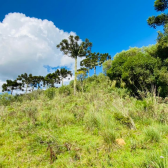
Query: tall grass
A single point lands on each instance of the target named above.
(54, 128)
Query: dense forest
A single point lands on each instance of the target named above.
(118, 118)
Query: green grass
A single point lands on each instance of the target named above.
(53, 129)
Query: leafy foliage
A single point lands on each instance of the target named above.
(50, 93)
(160, 5)
(63, 73)
(11, 85)
(6, 99)
(65, 90)
(73, 49)
(140, 70)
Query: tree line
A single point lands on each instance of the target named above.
(140, 70)
(25, 82)
(71, 47)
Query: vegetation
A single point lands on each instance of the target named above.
(160, 5)
(25, 81)
(116, 119)
(75, 50)
(102, 127)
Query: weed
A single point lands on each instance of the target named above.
(53, 156)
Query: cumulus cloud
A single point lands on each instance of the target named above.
(28, 45)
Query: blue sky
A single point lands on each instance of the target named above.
(112, 26)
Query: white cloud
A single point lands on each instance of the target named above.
(27, 44)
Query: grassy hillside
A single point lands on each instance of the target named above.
(102, 127)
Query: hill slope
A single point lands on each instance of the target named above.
(54, 128)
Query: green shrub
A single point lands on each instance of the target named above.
(78, 87)
(50, 93)
(6, 99)
(18, 98)
(123, 120)
(36, 93)
(65, 89)
(152, 134)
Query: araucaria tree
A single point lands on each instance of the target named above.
(50, 79)
(162, 19)
(11, 85)
(36, 80)
(26, 80)
(63, 73)
(103, 58)
(73, 49)
(94, 58)
(86, 63)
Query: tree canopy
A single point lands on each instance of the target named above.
(140, 69)
(74, 49)
(154, 21)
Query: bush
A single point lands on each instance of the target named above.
(123, 120)
(6, 99)
(65, 89)
(78, 87)
(50, 93)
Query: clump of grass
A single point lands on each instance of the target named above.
(109, 136)
(92, 120)
(157, 160)
(125, 120)
(31, 112)
(152, 134)
(64, 118)
(50, 93)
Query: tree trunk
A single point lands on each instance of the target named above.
(75, 75)
(62, 81)
(26, 87)
(95, 70)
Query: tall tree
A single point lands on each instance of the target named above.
(73, 49)
(50, 79)
(81, 75)
(36, 80)
(162, 19)
(63, 73)
(87, 63)
(26, 80)
(11, 85)
(94, 58)
(103, 58)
